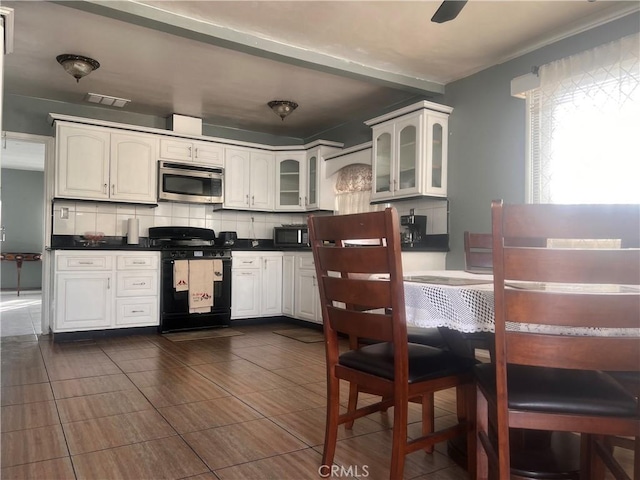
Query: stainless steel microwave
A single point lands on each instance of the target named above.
(190, 183)
(291, 236)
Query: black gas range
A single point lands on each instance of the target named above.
(192, 244)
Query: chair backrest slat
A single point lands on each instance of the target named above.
(377, 326)
(533, 307)
(590, 353)
(364, 259)
(571, 265)
(363, 293)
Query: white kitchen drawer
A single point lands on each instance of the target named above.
(80, 261)
(136, 262)
(131, 312)
(245, 262)
(136, 284)
(306, 262)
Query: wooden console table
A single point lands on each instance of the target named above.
(19, 258)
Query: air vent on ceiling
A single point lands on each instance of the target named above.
(106, 100)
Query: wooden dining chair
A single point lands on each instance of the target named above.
(548, 375)
(362, 296)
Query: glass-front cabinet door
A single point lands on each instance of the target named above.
(382, 171)
(436, 156)
(408, 156)
(290, 181)
(311, 199)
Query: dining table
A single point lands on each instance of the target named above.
(461, 302)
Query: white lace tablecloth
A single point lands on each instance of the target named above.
(469, 308)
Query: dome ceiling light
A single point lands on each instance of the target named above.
(76, 65)
(282, 108)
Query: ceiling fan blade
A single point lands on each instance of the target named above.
(448, 10)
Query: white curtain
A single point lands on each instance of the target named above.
(584, 120)
(353, 189)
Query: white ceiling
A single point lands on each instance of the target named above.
(224, 60)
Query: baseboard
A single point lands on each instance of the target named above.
(98, 334)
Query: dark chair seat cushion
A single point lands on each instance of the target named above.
(629, 380)
(557, 390)
(426, 336)
(425, 363)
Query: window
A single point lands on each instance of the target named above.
(584, 123)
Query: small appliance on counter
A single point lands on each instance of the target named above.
(292, 235)
(415, 228)
(226, 239)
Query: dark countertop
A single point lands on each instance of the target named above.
(430, 243)
(75, 242)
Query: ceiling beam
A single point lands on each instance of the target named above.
(153, 17)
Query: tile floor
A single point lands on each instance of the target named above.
(249, 406)
(20, 315)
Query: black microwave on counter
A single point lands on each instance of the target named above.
(291, 236)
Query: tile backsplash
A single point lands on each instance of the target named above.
(76, 218)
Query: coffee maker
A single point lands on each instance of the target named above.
(415, 228)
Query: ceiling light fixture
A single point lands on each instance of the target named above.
(282, 108)
(76, 65)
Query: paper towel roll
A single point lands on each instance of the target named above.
(133, 231)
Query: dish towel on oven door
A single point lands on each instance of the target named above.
(181, 275)
(200, 286)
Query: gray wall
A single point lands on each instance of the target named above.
(487, 148)
(22, 216)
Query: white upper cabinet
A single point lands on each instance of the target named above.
(82, 163)
(410, 152)
(95, 163)
(249, 179)
(133, 167)
(320, 193)
(291, 181)
(205, 153)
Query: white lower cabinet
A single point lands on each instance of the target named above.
(306, 293)
(288, 275)
(256, 285)
(95, 290)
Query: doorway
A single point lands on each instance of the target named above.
(23, 210)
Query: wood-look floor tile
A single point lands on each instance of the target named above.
(18, 394)
(309, 426)
(151, 351)
(154, 363)
(115, 431)
(228, 368)
(56, 469)
(81, 370)
(290, 466)
(244, 382)
(23, 375)
(272, 357)
(190, 417)
(166, 458)
(198, 357)
(182, 392)
(282, 400)
(101, 405)
(203, 476)
(454, 472)
(28, 415)
(242, 442)
(124, 343)
(374, 450)
(79, 387)
(164, 376)
(303, 375)
(32, 445)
